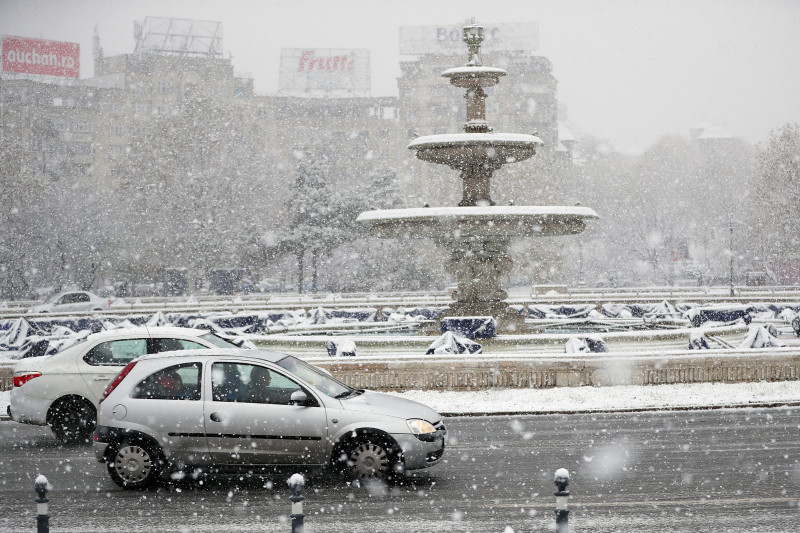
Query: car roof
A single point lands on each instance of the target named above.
(239, 353)
(138, 331)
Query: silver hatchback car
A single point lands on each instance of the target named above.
(171, 414)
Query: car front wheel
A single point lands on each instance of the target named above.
(73, 420)
(371, 458)
(134, 465)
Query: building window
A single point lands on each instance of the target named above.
(52, 146)
(164, 87)
(142, 108)
(61, 124)
(118, 129)
(12, 95)
(163, 109)
(115, 151)
(82, 148)
(82, 126)
(81, 170)
(116, 108)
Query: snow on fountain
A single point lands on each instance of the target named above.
(477, 233)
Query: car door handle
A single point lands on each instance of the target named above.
(103, 379)
(216, 417)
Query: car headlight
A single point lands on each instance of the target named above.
(420, 427)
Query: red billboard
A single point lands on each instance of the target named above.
(318, 71)
(37, 56)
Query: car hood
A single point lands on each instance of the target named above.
(386, 404)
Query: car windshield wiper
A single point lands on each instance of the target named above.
(348, 394)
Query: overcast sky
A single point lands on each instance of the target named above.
(628, 71)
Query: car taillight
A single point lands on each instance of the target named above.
(19, 381)
(116, 381)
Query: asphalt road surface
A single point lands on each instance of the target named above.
(723, 470)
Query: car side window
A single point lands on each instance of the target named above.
(119, 352)
(168, 345)
(178, 382)
(80, 297)
(227, 384)
(255, 384)
(64, 300)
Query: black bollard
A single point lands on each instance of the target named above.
(41, 486)
(562, 499)
(296, 484)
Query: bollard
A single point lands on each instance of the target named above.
(41, 486)
(296, 484)
(562, 499)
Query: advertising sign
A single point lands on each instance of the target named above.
(310, 71)
(37, 56)
(448, 39)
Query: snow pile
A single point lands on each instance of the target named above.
(591, 343)
(761, 337)
(340, 347)
(698, 341)
(582, 399)
(449, 344)
(628, 397)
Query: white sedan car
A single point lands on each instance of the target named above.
(63, 390)
(72, 301)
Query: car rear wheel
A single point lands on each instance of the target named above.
(134, 464)
(73, 420)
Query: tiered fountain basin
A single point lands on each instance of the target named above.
(464, 223)
(470, 76)
(461, 150)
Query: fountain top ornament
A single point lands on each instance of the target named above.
(478, 232)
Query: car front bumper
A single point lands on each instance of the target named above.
(418, 453)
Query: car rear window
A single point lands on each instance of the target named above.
(117, 352)
(218, 341)
(178, 382)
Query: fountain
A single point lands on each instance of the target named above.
(477, 233)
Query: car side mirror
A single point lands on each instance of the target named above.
(298, 397)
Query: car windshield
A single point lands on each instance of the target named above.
(52, 298)
(318, 378)
(218, 341)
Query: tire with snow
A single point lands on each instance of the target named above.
(72, 420)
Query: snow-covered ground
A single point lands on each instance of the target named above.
(581, 399)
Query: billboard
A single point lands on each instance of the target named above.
(37, 56)
(324, 71)
(447, 39)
